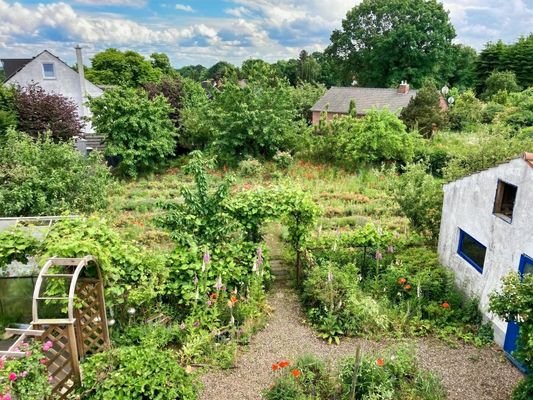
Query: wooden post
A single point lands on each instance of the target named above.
(75, 362)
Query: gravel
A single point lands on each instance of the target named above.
(466, 372)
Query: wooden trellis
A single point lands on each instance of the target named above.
(84, 329)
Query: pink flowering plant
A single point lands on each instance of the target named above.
(26, 377)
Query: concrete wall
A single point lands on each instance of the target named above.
(468, 205)
(66, 83)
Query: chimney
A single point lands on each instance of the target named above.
(81, 74)
(403, 88)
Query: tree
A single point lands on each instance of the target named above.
(138, 131)
(304, 96)
(114, 67)
(466, 111)
(255, 120)
(424, 112)
(222, 70)
(462, 67)
(500, 81)
(161, 62)
(172, 89)
(288, 69)
(195, 72)
(39, 111)
(308, 67)
(385, 41)
(329, 72)
(248, 66)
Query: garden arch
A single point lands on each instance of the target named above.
(82, 331)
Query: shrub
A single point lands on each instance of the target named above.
(465, 112)
(283, 159)
(250, 167)
(8, 116)
(39, 112)
(45, 178)
(136, 372)
(420, 198)
(138, 131)
(500, 81)
(31, 376)
(490, 111)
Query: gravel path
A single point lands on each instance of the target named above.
(466, 372)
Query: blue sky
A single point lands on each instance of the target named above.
(206, 31)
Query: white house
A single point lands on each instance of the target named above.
(53, 75)
(486, 233)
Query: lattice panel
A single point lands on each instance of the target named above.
(89, 323)
(60, 361)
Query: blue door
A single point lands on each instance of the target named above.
(513, 330)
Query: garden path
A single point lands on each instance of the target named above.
(466, 371)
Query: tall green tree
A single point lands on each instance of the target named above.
(424, 112)
(385, 41)
(195, 72)
(308, 67)
(500, 81)
(288, 69)
(222, 70)
(461, 67)
(138, 131)
(128, 68)
(161, 62)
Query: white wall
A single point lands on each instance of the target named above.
(67, 82)
(468, 204)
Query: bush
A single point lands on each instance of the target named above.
(490, 111)
(45, 178)
(8, 116)
(39, 112)
(283, 159)
(136, 372)
(138, 131)
(250, 167)
(420, 198)
(465, 112)
(500, 81)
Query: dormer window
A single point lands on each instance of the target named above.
(49, 71)
(505, 199)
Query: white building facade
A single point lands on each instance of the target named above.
(53, 75)
(486, 233)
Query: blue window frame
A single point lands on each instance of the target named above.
(49, 71)
(471, 250)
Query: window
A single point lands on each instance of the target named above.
(49, 71)
(505, 199)
(526, 265)
(471, 250)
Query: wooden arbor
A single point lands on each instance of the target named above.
(83, 330)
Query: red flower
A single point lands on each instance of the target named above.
(407, 287)
(402, 281)
(296, 373)
(445, 305)
(233, 299)
(12, 376)
(275, 367)
(283, 364)
(380, 362)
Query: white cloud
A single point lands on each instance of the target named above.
(129, 3)
(183, 7)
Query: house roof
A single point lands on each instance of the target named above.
(337, 99)
(13, 65)
(528, 157)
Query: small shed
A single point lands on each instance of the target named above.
(486, 233)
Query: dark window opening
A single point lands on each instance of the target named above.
(471, 250)
(505, 199)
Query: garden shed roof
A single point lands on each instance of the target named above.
(337, 99)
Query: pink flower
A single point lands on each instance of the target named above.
(28, 353)
(379, 256)
(50, 378)
(12, 376)
(43, 361)
(6, 396)
(47, 346)
(24, 374)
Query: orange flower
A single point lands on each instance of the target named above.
(445, 305)
(233, 299)
(296, 373)
(407, 287)
(283, 364)
(380, 362)
(214, 296)
(402, 281)
(275, 367)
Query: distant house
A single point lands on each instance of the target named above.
(337, 100)
(53, 75)
(486, 233)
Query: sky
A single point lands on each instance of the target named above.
(207, 31)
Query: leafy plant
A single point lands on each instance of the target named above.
(16, 245)
(136, 372)
(250, 167)
(283, 159)
(40, 177)
(139, 132)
